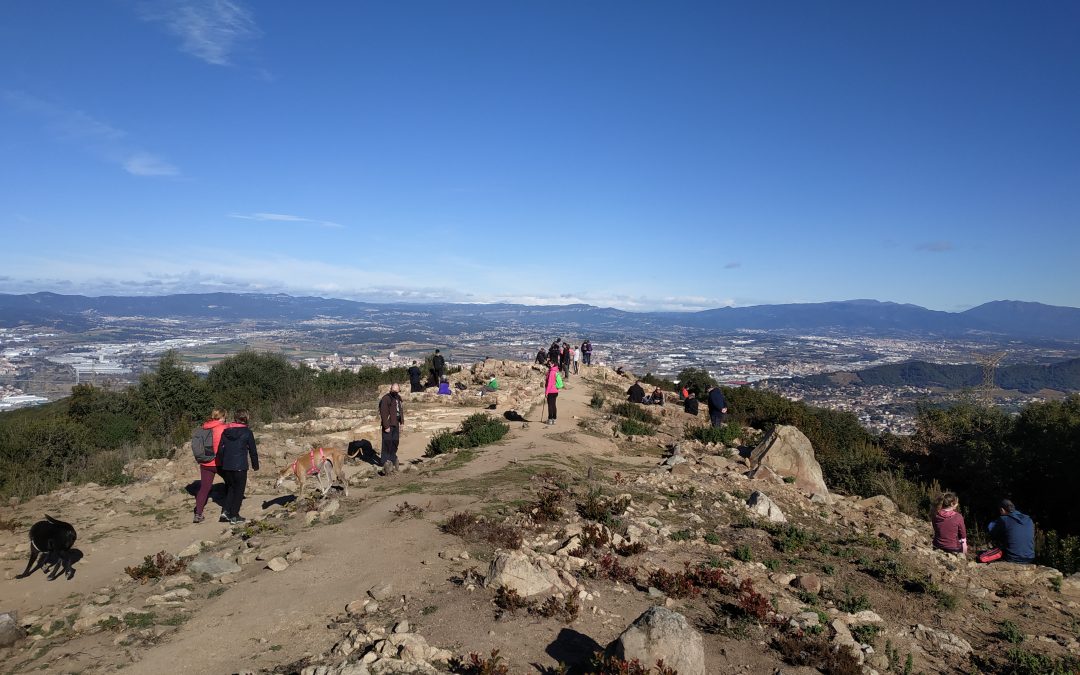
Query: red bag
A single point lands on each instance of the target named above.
(989, 555)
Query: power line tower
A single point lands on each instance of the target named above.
(989, 361)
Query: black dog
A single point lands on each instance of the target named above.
(50, 542)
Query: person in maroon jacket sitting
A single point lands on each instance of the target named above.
(950, 534)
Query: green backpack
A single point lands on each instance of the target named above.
(558, 380)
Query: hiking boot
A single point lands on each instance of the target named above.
(223, 519)
(236, 520)
(198, 518)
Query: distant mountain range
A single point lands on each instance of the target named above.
(1028, 378)
(1000, 318)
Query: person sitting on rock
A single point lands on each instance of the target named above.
(636, 393)
(950, 534)
(444, 387)
(690, 405)
(1014, 533)
(542, 357)
(656, 397)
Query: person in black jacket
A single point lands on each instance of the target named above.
(414, 378)
(236, 446)
(438, 364)
(636, 393)
(690, 405)
(717, 407)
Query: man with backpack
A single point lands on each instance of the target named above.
(204, 444)
(552, 384)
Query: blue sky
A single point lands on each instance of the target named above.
(641, 155)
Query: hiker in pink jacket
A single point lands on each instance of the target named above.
(551, 390)
(950, 534)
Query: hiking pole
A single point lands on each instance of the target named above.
(543, 407)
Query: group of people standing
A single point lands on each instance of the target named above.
(233, 446)
(565, 356)
(561, 358)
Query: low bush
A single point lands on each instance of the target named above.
(633, 411)
(816, 652)
(636, 428)
(475, 431)
(605, 664)
(725, 434)
(474, 664)
(601, 509)
(609, 567)
(1024, 662)
(472, 527)
(161, 564)
(597, 401)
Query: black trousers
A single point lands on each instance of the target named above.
(551, 405)
(390, 442)
(416, 386)
(235, 482)
(716, 418)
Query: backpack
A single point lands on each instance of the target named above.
(202, 445)
(558, 381)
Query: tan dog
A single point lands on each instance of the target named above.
(326, 463)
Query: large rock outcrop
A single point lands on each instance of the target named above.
(789, 453)
(517, 572)
(661, 634)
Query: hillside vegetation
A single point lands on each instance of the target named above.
(90, 435)
(1027, 378)
(980, 453)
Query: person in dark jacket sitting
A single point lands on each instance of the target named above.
(636, 393)
(1014, 534)
(690, 405)
(236, 446)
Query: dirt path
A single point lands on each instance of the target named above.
(289, 610)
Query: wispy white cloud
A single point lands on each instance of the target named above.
(94, 136)
(732, 265)
(286, 218)
(369, 280)
(940, 246)
(209, 30)
(145, 164)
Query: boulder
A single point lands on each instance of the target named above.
(277, 565)
(213, 566)
(763, 472)
(810, 583)
(789, 453)
(760, 504)
(517, 572)
(10, 630)
(941, 641)
(879, 502)
(383, 591)
(661, 634)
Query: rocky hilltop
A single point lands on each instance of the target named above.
(564, 548)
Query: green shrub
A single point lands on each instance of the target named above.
(1010, 632)
(743, 553)
(636, 428)
(475, 431)
(597, 401)
(725, 434)
(697, 380)
(1023, 662)
(633, 411)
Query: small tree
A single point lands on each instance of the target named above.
(697, 380)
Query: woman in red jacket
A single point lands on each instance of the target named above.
(207, 470)
(950, 534)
